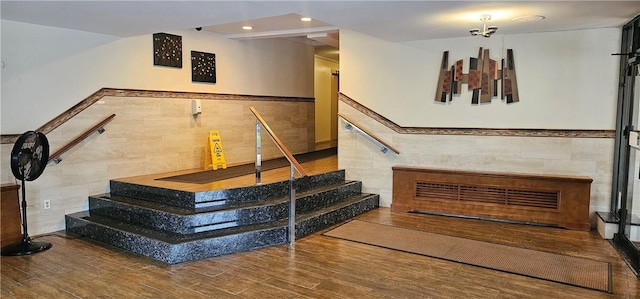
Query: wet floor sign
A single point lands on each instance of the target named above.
(214, 156)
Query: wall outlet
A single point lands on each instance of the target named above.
(46, 204)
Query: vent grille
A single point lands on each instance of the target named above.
(436, 191)
(490, 195)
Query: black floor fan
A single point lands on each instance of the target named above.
(29, 157)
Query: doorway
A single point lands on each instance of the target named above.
(625, 204)
(326, 87)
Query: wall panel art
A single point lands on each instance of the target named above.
(167, 50)
(482, 79)
(203, 67)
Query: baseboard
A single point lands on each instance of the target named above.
(320, 145)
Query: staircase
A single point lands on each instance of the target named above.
(175, 226)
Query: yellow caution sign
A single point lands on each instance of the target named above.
(214, 155)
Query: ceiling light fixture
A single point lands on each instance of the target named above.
(247, 27)
(305, 19)
(486, 31)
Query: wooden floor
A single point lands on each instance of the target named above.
(316, 267)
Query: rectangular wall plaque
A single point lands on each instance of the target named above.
(203, 67)
(167, 50)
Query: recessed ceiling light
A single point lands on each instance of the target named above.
(305, 19)
(532, 18)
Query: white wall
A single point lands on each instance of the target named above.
(567, 80)
(48, 70)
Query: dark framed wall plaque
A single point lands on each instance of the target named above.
(167, 50)
(203, 67)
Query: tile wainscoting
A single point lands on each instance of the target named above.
(153, 132)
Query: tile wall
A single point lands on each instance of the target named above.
(152, 135)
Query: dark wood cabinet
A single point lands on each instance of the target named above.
(530, 198)
(10, 222)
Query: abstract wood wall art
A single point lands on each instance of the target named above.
(167, 50)
(482, 79)
(203, 67)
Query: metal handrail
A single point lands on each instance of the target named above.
(55, 157)
(351, 125)
(295, 166)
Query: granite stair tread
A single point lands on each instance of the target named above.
(174, 238)
(344, 203)
(181, 210)
(190, 211)
(215, 198)
(284, 196)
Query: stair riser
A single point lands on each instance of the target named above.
(177, 253)
(210, 199)
(315, 181)
(319, 200)
(154, 249)
(312, 225)
(189, 224)
(154, 194)
(186, 224)
(230, 244)
(261, 192)
(138, 215)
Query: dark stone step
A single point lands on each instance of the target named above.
(184, 221)
(175, 248)
(262, 192)
(188, 221)
(309, 223)
(208, 199)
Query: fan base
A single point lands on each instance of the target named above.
(26, 248)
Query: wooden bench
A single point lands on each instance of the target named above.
(531, 198)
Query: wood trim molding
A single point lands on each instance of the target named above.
(138, 93)
(475, 131)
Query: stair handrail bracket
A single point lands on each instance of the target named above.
(353, 126)
(56, 157)
(295, 167)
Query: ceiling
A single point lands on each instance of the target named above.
(395, 21)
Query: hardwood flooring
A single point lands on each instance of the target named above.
(316, 267)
